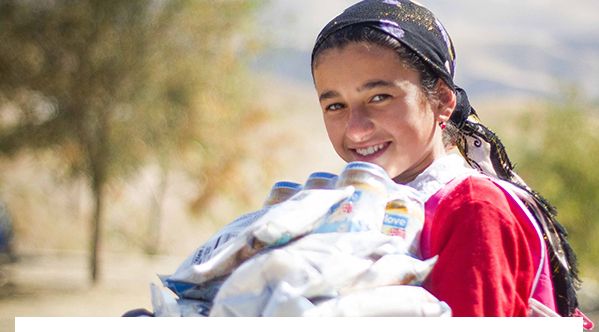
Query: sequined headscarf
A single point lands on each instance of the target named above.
(416, 28)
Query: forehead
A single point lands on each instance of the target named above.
(357, 63)
(357, 49)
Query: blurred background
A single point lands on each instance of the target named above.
(131, 131)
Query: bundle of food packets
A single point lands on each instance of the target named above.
(336, 246)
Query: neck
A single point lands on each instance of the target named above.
(410, 174)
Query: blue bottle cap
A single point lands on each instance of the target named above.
(367, 166)
(321, 180)
(287, 184)
(322, 175)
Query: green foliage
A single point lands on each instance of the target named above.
(556, 150)
(110, 82)
(111, 85)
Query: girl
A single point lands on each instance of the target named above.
(383, 71)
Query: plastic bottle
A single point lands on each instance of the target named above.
(280, 192)
(321, 180)
(365, 209)
(404, 217)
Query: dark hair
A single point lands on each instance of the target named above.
(361, 33)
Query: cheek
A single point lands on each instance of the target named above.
(336, 133)
(414, 125)
(408, 134)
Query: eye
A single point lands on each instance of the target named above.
(380, 97)
(334, 107)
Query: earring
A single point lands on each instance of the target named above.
(442, 125)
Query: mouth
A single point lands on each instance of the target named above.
(370, 152)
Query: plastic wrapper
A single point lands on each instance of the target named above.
(194, 308)
(276, 226)
(207, 250)
(306, 254)
(394, 269)
(296, 217)
(205, 291)
(282, 281)
(164, 303)
(397, 301)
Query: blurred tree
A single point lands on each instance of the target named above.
(556, 149)
(114, 84)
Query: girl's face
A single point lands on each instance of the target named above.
(375, 111)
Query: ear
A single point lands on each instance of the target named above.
(446, 101)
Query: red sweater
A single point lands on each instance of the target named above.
(485, 266)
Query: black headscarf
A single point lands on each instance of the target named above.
(417, 28)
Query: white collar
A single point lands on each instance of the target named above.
(438, 174)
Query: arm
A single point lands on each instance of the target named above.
(485, 267)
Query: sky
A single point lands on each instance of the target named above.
(540, 21)
(503, 46)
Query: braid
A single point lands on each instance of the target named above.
(473, 136)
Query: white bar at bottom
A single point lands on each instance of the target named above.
(369, 324)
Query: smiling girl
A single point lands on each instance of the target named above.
(383, 71)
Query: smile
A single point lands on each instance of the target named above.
(370, 150)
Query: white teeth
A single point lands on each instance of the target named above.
(370, 150)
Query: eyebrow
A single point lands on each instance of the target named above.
(367, 86)
(328, 95)
(374, 84)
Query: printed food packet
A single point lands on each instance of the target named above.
(280, 192)
(278, 225)
(398, 301)
(204, 292)
(207, 250)
(298, 216)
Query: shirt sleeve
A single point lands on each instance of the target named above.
(485, 266)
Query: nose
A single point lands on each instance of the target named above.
(360, 126)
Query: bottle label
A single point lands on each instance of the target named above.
(395, 225)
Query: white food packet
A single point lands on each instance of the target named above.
(194, 308)
(278, 225)
(393, 269)
(282, 280)
(397, 301)
(206, 251)
(164, 303)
